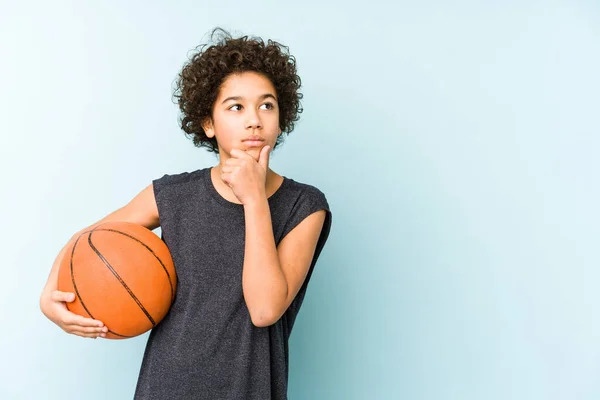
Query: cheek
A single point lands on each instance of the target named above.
(273, 121)
(225, 128)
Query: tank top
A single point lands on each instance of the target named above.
(207, 347)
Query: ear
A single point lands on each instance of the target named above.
(207, 125)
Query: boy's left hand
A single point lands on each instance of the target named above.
(246, 176)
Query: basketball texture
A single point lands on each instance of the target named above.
(122, 274)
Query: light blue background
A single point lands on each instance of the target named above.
(457, 143)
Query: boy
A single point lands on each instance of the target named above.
(244, 239)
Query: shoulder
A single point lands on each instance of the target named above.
(301, 199)
(307, 193)
(178, 178)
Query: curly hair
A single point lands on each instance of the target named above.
(200, 80)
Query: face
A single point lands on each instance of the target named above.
(245, 107)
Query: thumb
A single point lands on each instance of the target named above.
(57, 295)
(263, 158)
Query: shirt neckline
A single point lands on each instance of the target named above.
(208, 183)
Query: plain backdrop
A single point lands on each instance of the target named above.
(456, 141)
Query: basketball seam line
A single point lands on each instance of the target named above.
(77, 291)
(98, 228)
(133, 296)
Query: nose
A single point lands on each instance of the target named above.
(253, 120)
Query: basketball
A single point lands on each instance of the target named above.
(122, 274)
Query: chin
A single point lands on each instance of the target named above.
(254, 152)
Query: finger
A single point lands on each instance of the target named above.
(76, 329)
(74, 319)
(228, 168)
(86, 335)
(226, 178)
(240, 154)
(57, 295)
(263, 158)
(231, 161)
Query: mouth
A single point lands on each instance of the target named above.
(254, 142)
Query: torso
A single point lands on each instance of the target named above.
(206, 347)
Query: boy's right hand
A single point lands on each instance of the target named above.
(54, 307)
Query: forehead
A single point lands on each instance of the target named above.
(246, 84)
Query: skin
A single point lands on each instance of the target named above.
(272, 275)
(246, 105)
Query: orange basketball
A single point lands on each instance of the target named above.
(122, 274)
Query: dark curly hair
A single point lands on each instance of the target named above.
(200, 79)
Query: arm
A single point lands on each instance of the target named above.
(272, 276)
(141, 210)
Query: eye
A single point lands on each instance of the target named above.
(235, 105)
(269, 105)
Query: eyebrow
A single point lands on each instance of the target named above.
(236, 98)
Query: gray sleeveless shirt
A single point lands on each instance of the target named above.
(206, 347)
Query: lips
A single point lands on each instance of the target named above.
(254, 139)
